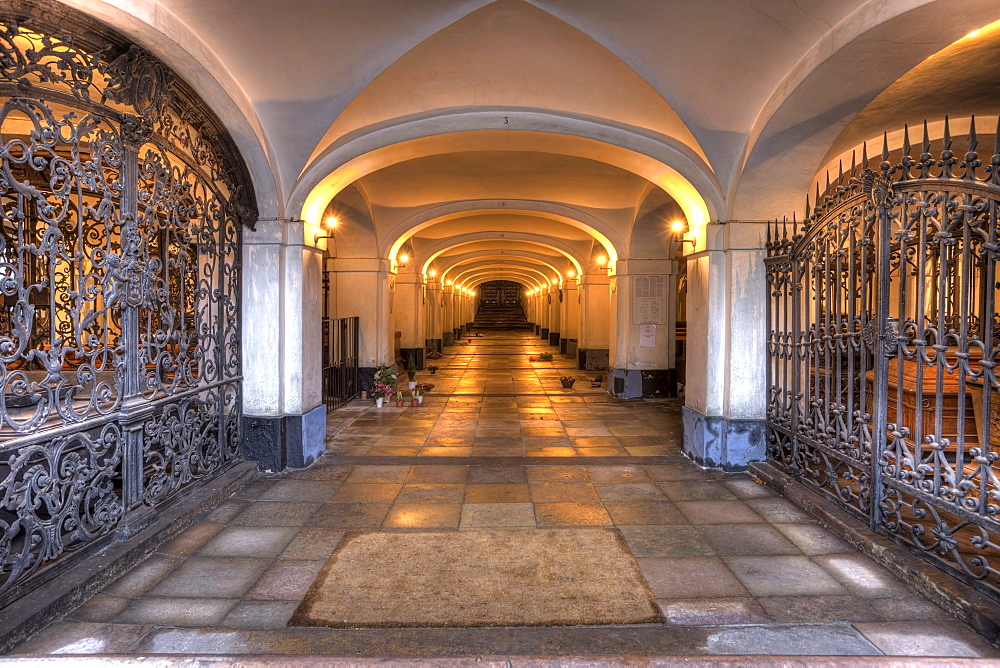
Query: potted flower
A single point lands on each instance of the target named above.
(432, 368)
(424, 387)
(411, 372)
(545, 357)
(567, 381)
(434, 355)
(383, 385)
(399, 399)
(595, 381)
(416, 397)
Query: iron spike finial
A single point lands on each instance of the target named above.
(854, 161)
(795, 224)
(885, 146)
(784, 228)
(807, 206)
(906, 140)
(864, 155)
(926, 144)
(947, 133)
(827, 182)
(973, 139)
(840, 172)
(996, 139)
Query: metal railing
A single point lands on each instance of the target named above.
(340, 361)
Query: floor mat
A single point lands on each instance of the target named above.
(554, 577)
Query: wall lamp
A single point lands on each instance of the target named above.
(402, 259)
(679, 227)
(329, 225)
(602, 262)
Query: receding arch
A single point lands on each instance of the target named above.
(659, 160)
(557, 245)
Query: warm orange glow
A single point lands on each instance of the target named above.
(974, 33)
(432, 273)
(404, 258)
(602, 260)
(448, 282)
(331, 222)
(677, 226)
(571, 273)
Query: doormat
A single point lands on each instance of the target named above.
(554, 577)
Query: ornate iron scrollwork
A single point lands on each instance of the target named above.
(121, 208)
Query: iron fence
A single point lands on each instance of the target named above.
(883, 340)
(340, 361)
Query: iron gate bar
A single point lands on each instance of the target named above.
(882, 322)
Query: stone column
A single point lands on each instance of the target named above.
(726, 392)
(448, 318)
(555, 308)
(595, 317)
(570, 328)
(284, 418)
(409, 316)
(433, 308)
(644, 304)
(363, 291)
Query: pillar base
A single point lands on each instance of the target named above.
(538, 329)
(568, 346)
(418, 357)
(544, 333)
(276, 443)
(717, 442)
(553, 338)
(448, 339)
(434, 345)
(645, 383)
(592, 359)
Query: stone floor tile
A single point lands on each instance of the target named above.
(188, 541)
(300, 490)
(784, 576)
(253, 490)
(747, 539)
(861, 575)
(571, 514)
(745, 487)
(556, 492)
(712, 611)
(376, 474)
(779, 510)
(277, 513)
(906, 608)
(813, 539)
(100, 608)
(243, 541)
(801, 639)
(431, 493)
(497, 493)
(670, 541)
(349, 515)
(385, 451)
(644, 512)
(423, 516)
(935, 638)
(601, 452)
(621, 473)
(497, 475)
(696, 490)
(667, 472)
(225, 512)
(260, 614)
(438, 475)
(557, 474)
(698, 578)
(311, 544)
(202, 577)
(638, 491)
(83, 638)
(445, 452)
(811, 609)
(177, 611)
(497, 515)
(144, 576)
(717, 512)
(366, 492)
(285, 580)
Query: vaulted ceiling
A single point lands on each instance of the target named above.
(586, 122)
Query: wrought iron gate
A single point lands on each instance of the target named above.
(883, 342)
(121, 203)
(340, 361)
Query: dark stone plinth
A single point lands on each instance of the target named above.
(434, 345)
(553, 338)
(717, 442)
(448, 339)
(418, 357)
(544, 333)
(263, 439)
(592, 359)
(644, 383)
(276, 443)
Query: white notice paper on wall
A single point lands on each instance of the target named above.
(649, 300)
(647, 336)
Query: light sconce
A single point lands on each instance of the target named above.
(448, 282)
(432, 273)
(602, 262)
(402, 259)
(329, 225)
(571, 273)
(679, 228)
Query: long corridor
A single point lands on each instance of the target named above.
(501, 464)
